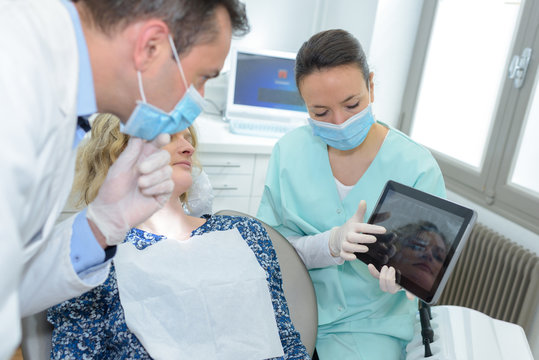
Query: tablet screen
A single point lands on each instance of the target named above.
(424, 237)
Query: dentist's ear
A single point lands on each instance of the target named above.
(371, 84)
(151, 43)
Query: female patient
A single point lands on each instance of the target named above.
(180, 286)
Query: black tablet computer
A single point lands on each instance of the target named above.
(424, 238)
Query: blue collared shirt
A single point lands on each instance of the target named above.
(85, 250)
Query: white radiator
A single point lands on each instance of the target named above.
(496, 277)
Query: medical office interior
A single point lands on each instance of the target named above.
(460, 77)
(450, 74)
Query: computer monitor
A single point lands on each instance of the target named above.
(262, 89)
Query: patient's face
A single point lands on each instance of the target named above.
(181, 151)
(421, 257)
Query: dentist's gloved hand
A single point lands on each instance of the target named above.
(349, 238)
(388, 284)
(137, 185)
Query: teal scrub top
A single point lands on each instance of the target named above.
(356, 319)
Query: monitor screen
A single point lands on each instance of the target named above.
(262, 85)
(266, 81)
(262, 97)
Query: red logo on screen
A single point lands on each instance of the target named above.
(283, 74)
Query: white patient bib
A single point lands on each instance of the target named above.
(202, 298)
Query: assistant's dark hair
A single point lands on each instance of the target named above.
(190, 21)
(329, 49)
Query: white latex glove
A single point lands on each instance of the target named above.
(387, 280)
(348, 238)
(137, 185)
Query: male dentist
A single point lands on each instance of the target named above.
(144, 61)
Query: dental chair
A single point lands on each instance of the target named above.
(36, 337)
(297, 286)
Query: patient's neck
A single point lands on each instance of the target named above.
(172, 221)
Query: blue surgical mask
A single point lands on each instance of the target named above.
(148, 121)
(348, 135)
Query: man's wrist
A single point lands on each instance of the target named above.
(98, 234)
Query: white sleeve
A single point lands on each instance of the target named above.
(36, 78)
(314, 250)
(49, 277)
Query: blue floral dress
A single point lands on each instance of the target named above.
(92, 326)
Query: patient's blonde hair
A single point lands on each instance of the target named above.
(96, 155)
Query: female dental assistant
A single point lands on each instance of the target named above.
(316, 179)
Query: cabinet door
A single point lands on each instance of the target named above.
(230, 184)
(231, 177)
(225, 163)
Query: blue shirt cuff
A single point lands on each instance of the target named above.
(85, 250)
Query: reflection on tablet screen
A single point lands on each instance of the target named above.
(423, 240)
(422, 252)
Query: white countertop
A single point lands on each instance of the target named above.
(214, 136)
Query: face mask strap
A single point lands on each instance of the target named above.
(140, 88)
(177, 60)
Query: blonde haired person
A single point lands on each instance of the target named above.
(97, 153)
(180, 286)
(92, 168)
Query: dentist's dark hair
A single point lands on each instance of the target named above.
(191, 22)
(329, 49)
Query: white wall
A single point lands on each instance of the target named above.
(515, 232)
(286, 24)
(393, 38)
(356, 17)
(278, 24)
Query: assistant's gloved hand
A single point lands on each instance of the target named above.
(347, 239)
(137, 185)
(386, 275)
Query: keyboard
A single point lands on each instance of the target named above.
(262, 128)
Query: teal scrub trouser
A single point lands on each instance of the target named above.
(359, 346)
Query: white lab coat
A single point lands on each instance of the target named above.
(38, 89)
